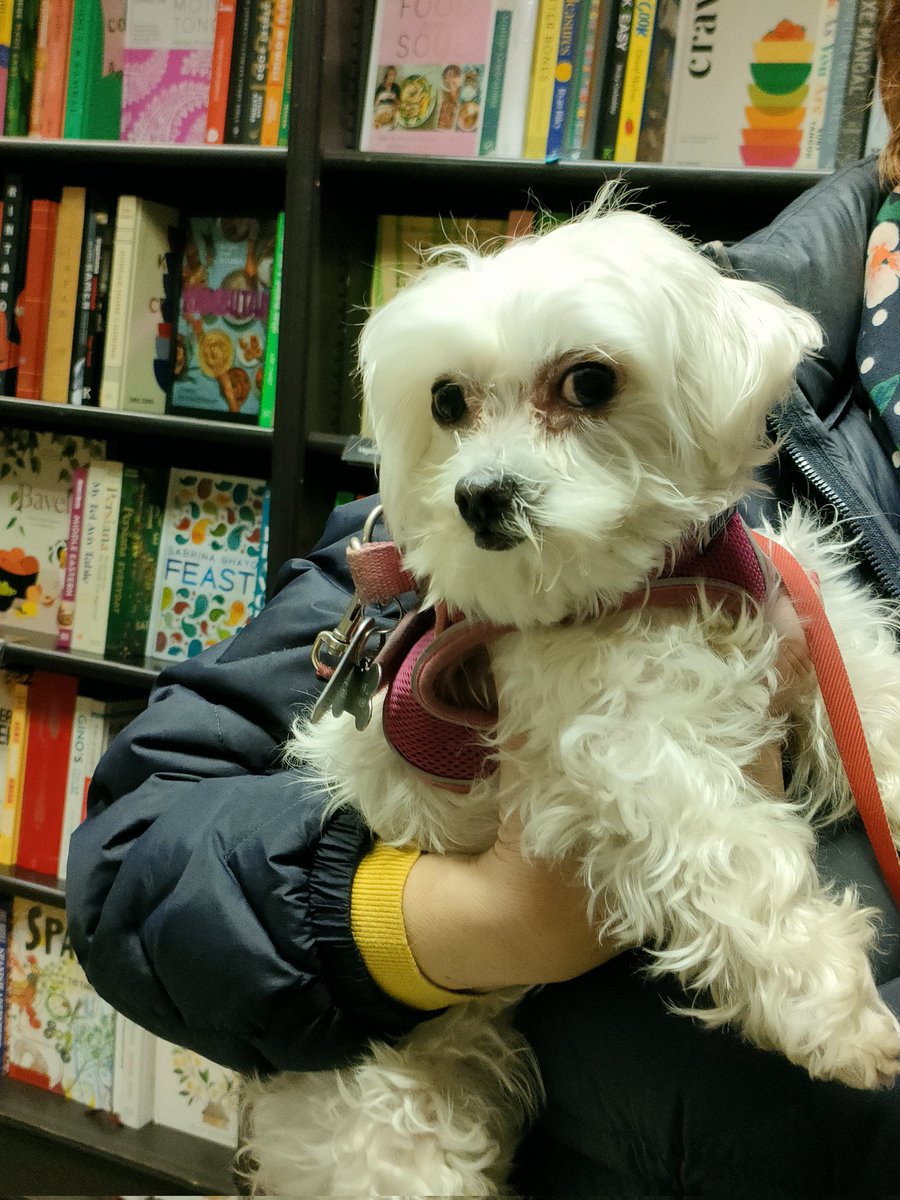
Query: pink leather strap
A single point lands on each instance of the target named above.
(377, 572)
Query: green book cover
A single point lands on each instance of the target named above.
(270, 361)
(94, 91)
(20, 85)
(134, 571)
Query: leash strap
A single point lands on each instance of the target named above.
(841, 708)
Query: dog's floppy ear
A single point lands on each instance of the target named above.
(749, 342)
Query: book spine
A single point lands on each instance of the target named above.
(119, 609)
(69, 594)
(83, 305)
(119, 309)
(493, 96)
(837, 83)
(6, 17)
(860, 81)
(73, 805)
(134, 1066)
(5, 933)
(585, 51)
(13, 238)
(64, 295)
(51, 707)
(56, 70)
(39, 68)
(103, 498)
(562, 79)
(635, 80)
(132, 589)
(217, 107)
(284, 121)
(543, 66)
(257, 72)
(237, 76)
(603, 53)
(34, 301)
(11, 811)
(84, 18)
(100, 280)
(612, 101)
(21, 67)
(517, 79)
(270, 361)
(271, 116)
(817, 98)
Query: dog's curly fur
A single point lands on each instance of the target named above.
(638, 724)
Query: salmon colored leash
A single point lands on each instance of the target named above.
(840, 706)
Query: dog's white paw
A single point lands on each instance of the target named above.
(867, 1055)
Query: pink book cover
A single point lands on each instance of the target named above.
(428, 77)
(167, 63)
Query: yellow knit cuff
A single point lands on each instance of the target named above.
(376, 920)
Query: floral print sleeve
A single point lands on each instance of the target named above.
(878, 346)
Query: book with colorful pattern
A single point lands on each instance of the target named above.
(60, 1034)
(210, 574)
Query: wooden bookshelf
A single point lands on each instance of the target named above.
(52, 1145)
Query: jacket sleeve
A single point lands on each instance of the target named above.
(206, 899)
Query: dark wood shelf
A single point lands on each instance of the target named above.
(95, 422)
(14, 881)
(60, 151)
(42, 654)
(184, 1163)
(569, 174)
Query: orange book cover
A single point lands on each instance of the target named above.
(220, 72)
(56, 69)
(40, 68)
(33, 305)
(271, 118)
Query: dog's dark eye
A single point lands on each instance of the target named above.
(448, 402)
(588, 385)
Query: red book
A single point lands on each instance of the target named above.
(51, 710)
(56, 69)
(33, 305)
(220, 71)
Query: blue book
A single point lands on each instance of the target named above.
(563, 87)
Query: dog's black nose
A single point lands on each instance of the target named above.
(491, 504)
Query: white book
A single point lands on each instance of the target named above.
(516, 81)
(96, 556)
(878, 129)
(80, 753)
(134, 1073)
(750, 83)
(195, 1095)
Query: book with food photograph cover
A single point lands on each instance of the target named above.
(218, 352)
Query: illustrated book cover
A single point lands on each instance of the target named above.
(427, 78)
(210, 574)
(750, 91)
(36, 471)
(223, 314)
(166, 73)
(60, 1034)
(194, 1094)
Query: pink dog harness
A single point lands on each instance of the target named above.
(450, 745)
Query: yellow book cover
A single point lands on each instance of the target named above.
(64, 295)
(14, 725)
(271, 116)
(403, 241)
(635, 81)
(543, 71)
(6, 20)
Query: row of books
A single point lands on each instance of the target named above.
(211, 71)
(776, 84)
(124, 561)
(51, 739)
(57, 1034)
(126, 303)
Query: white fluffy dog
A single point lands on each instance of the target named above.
(556, 420)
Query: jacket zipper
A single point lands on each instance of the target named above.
(872, 556)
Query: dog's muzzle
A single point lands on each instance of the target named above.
(493, 504)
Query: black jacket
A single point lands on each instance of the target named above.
(207, 902)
